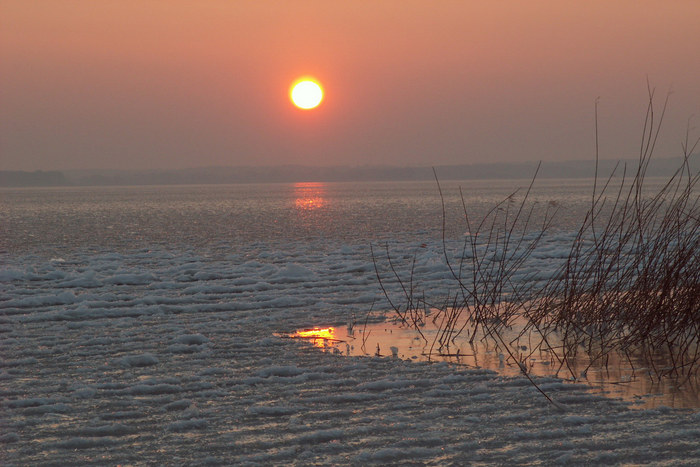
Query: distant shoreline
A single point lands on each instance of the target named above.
(297, 173)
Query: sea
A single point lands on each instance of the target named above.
(144, 325)
(54, 221)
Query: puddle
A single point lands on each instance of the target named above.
(618, 379)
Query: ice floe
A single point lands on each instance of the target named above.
(167, 356)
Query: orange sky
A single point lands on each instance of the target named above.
(173, 84)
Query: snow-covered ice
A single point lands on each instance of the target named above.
(167, 356)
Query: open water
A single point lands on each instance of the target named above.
(55, 220)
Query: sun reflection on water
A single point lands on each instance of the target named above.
(309, 196)
(321, 338)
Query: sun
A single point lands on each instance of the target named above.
(306, 93)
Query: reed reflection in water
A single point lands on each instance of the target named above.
(392, 339)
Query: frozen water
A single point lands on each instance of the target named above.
(151, 343)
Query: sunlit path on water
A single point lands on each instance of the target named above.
(309, 196)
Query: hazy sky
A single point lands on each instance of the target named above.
(180, 83)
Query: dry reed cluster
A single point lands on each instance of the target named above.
(630, 285)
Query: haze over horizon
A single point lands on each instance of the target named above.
(172, 85)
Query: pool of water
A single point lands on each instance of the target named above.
(634, 380)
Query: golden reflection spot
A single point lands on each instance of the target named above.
(318, 337)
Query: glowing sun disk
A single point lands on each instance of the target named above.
(306, 94)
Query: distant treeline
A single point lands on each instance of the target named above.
(294, 173)
(37, 178)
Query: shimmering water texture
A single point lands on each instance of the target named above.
(56, 220)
